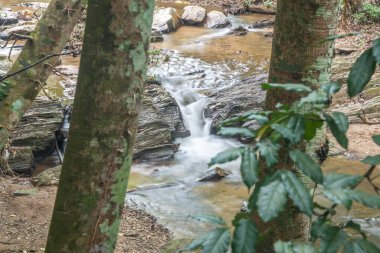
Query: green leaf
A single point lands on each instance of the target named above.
(287, 86)
(297, 125)
(307, 165)
(341, 121)
(217, 241)
(376, 50)
(361, 72)
(271, 200)
(269, 151)
(285, 132)
(288, 247)
(258, 117)
(208, 219)
(376, 139)
(249, 167)
(332, 239)
(361, 245)
(313, 122)
(331, 88)
(372, 160)
(226, 156)
(366, 199)
(245, 237)
(297, 192)
(335, 180)
(339, 135)
(316, 97)
(236, 131)
(317, 228)
(339, 196)
(196, 243)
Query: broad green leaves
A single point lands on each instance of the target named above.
(269, 151)
(372, 160)
(249, 168)
(271, 200)
(361, 72)
(297, 192)
(226, 156)
(245, 237)
(334, 180)
(338, 123)
(288, 247)
(307, 165)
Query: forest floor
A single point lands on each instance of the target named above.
(25, 220)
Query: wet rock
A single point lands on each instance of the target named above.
(268, 35)
(156, 36)
(238, 31)
(21, 160)
(236, 9)
(214, 175)
(160, 123)
(20, 30)
(166, 20)
(262, 23)
(216, 19)
(344, 51)
(8, 18)
(25, 192)
(244, 96)
(37, 126)
(193, 15)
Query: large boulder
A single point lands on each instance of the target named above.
(8, 18)
(193, 15)
(216, 19)
(160, 123)
(166, 20)
(244, 96)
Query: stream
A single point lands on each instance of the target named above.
(203, 60)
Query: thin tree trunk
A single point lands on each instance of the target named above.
(49, 37)
(94, 178)
(300, 54)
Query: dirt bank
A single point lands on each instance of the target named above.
(24, 222)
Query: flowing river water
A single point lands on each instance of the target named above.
(169, 190)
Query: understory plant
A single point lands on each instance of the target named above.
(368, 13)
(286, 131)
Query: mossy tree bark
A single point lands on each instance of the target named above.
(49, 37)
(98, 157)
(300, 54)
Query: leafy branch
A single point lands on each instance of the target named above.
(287, 130)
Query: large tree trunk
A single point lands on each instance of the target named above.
(98, 157)
(49, 37)
(300, 54)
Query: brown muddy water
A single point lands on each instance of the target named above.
(169, 190)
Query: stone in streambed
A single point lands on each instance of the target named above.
(214, 175)
(8, 18)
(193, 15)
(166, 20)
(21, 30)
(262, 23)
(216, 19)
(238, 31)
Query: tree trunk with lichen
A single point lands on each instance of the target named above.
(94, 177)
(49, 37)
(300, 54)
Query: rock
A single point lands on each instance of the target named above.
(34, 5)
(193, 15)
(156, 36)
(261, 10)
(268, 34)
(244, 96)
(37, 126)
(216, 19)
(213, 175)
(160, 123)
(235, 9)
(8, 18)
(262, 23)
(25, 192)
(48, 177)
(5, 64)
(344, 51)
(21, 160)
(21, 30)
(238, 31)
(166, 20)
